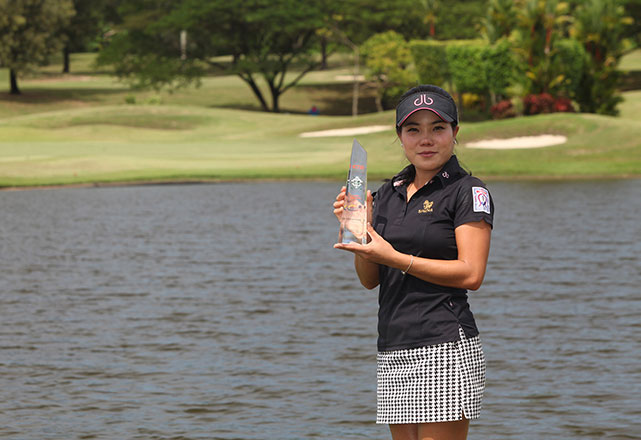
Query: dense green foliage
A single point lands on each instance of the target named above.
(467, 66)
(430, 60)
(600, 25)
(457, 20)
(565, 49)
(540, 24)
(360, 19)
(265, 37)
(390, 66)
(83, 28)
(30, 33)
(471, 66)
(499, 20)
(569, 61)
(501, 69)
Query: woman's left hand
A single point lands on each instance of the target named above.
(378, 250)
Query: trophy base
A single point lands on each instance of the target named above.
(346, 236)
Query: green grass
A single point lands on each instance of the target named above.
(78, 129)
(631, 61)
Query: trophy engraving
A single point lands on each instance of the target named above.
(354, 220)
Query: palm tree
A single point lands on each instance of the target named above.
(499, 21)
(430, 18)
(539, 24)
(600, 26)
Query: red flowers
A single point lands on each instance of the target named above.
(546, 103)
(532, 105)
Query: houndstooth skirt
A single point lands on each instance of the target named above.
(437, 383)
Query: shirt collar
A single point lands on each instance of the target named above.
(449, 173)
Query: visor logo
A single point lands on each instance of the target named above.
(423, 99)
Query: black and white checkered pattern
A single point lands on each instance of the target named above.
(437, 383)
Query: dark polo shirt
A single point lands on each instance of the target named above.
(413, 312)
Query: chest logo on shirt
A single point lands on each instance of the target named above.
(481, 199)
(427, 207)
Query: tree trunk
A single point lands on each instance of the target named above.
(65, 59)
(13, 78)
(379, 100)
(275, 91)
(252, 84)
(323, 65)
(355, 91)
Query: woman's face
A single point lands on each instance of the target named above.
(428, 141)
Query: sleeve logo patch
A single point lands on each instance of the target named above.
(481, 199)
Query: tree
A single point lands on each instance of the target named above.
(30, 33)
(350, 22)
(82, 29)
(540, 23)
(360, 19)
(389, 61)
(499, 21)
(144, 50)
(266, 38)
(459, 19)
(430, 18)
(633, 31)
(600, 26)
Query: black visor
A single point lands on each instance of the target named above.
(443, 107)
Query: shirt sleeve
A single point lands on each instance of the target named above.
(473, 204)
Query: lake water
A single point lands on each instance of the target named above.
(223, 312)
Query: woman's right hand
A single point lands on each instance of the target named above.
(340, 203)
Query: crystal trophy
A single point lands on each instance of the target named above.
(354, 220)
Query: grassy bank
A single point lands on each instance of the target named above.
(78, 129)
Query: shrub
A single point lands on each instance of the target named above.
(562, 104)
(600, 26)
(467, 66)
(546, 103)
(389, 66)
(570, 61)
(536, 104)
(430, 60)
(503, 109)
(472, 100)
(500, 67)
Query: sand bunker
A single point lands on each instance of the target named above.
(347, 131)
(545, 140)
(349, 78)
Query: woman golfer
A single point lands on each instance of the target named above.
(428, 243)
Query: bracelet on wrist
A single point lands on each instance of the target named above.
(410, 265)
